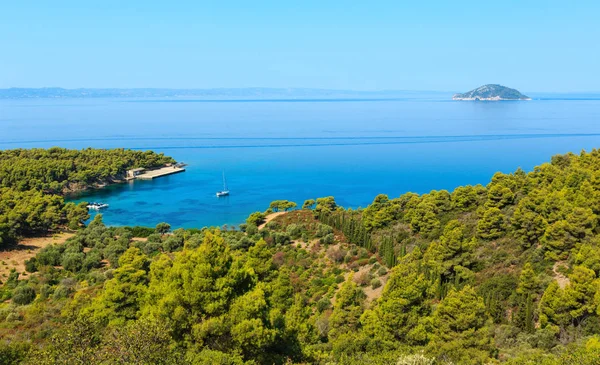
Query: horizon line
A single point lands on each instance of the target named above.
(268, 88)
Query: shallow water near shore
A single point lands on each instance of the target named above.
(300, 149)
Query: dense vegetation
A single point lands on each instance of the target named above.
(506, 272)
(32, 183)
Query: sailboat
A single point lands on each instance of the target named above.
(225, 191)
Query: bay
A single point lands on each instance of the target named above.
(299, 149)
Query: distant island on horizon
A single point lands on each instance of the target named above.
(491, 92)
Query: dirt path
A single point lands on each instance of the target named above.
(562, 280)
(15, 256)
(269, 218)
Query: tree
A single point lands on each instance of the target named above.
(163, 228)
(77, 342)
(461, 332)
(195, 284)
(491, 225)
(380, 213)
(145, 341)
(467, 197)
(308, 204)
(499, 196)
(527, 290)
(573, 304)
(588, 256)
(529, 226)
(284, 205)
(122, 296)
(425, 220)
(255, 219)
(347, 309)
(403, 311)
(326, 204)
(452, 255)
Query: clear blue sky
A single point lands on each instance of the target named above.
(416, 45)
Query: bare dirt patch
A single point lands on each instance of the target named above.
(562, 280)
(370, 293)
(14, 257)
(269, 218)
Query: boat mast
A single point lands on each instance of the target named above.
(224, 182)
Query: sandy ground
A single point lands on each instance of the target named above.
(562, 280)
(270, 217)
(15, 256)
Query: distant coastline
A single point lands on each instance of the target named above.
(255, 94)
(217, 93)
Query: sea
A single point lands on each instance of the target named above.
(297, 149)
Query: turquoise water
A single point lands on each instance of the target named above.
(295, 150)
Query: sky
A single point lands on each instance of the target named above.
(542, 46)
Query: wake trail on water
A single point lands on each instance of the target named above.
(270, 142)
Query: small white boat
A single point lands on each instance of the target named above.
(225, 191)
(97, 206)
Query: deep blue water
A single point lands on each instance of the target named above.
(300, 149)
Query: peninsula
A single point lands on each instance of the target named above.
(491, 92)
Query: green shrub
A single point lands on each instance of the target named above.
(23, 294)
(31, 265)
(92, 260)
(328, 239)
(251, 229)
(61, 292)
(155, 237)
(272, 225)
(172, 243)
(280, 238)
(73, 261)
(294, 230)
(49, 255)
(13, 353)
(323, 304)
(375, 283)
(362, 262)
(45, 291)
(363, 254)
(323, 230)
(152, 247)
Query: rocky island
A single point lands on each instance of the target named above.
(491, 92)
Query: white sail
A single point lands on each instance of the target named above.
(225, 190)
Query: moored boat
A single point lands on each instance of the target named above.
(225, 190)
(97, 206)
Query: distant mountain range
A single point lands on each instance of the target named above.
(256, 93)
(491, 92)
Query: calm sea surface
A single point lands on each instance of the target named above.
(295, 150)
